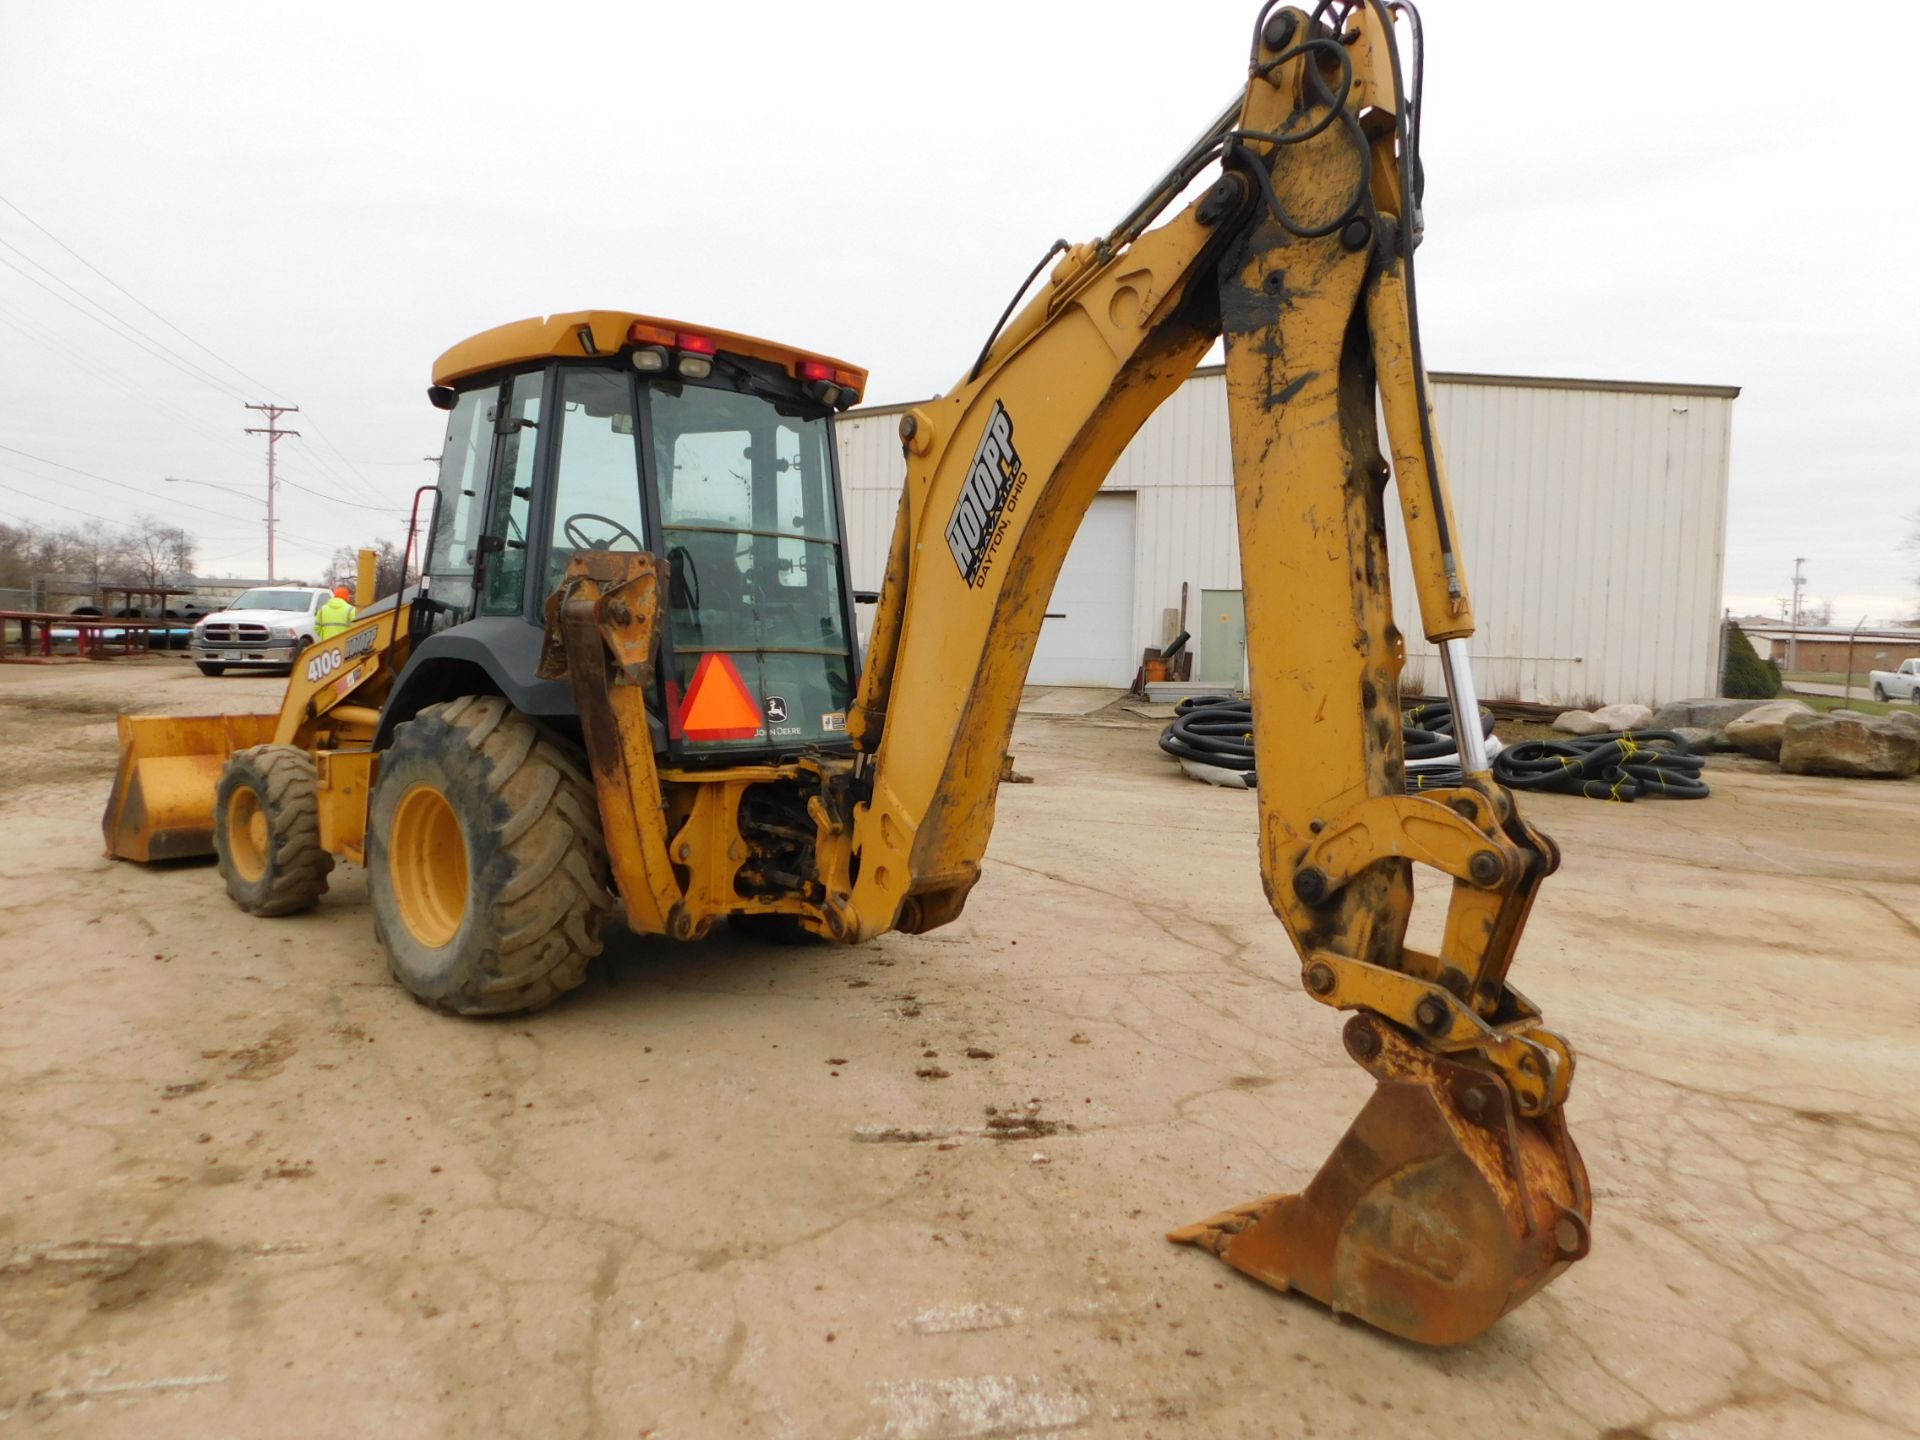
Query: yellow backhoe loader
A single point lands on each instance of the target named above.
(627, 680)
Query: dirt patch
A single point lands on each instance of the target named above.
(1022, 1124)
(269, 1057)
(64, 704)
(118, 1273)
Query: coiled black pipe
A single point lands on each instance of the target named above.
(1212, 730)
(1217, 730)
(1619, 765)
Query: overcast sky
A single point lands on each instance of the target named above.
(328, 196)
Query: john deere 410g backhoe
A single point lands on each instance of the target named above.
(628, 682)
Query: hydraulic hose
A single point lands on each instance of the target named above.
(1618, 765)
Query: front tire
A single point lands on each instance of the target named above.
(266, 831)
(486, 866)
(207, 668)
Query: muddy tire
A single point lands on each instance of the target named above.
(266, 831)
(208, 669)
(485, 862)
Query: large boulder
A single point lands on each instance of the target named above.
(1704, 714)
(1623, 717)
(1907, 721)
(1843, 743)
(1579, 722)
(1699, 739)
(1758, 732)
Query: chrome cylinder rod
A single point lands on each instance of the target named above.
(1458, 670)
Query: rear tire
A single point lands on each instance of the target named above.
(266, 831)
(1880, 693)
(210, 669)
(485, 862)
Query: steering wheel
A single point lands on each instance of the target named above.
(580, 540)
(684, 575)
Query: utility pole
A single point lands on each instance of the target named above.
(1793, 631)
(273, 432)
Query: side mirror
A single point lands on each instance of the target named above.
(441, 397)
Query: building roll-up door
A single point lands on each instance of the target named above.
(1087, 637)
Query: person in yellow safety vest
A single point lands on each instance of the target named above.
(335, 614)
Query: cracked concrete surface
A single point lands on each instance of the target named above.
(251, 1188)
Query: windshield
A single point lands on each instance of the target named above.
(751, 532)
(273, 600)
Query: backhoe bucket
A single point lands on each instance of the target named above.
(162, 802)
(1439, 1211)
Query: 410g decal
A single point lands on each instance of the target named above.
(334, 656)
(994, 481)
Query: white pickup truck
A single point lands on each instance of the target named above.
(268, 626)
(1901, 684)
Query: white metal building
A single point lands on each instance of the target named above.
(1592, 517)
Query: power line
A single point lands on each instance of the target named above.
(96, 369)
(131, 338)
(135, 298)
(117, 524)
(356, 480)
(75, 509)
(168, 502)
(191, 368)
(340, 500)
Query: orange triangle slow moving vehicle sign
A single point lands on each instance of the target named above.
(718, 705)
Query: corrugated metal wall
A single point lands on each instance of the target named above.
(1592, 517)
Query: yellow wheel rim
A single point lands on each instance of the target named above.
(427, 863)
(249, 838)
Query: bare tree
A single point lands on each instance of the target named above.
(18, 546)
(345, 569)
(92, 551)
(1816, 612)
(156, 553)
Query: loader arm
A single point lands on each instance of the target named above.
(1458, 1192)
(161, 804)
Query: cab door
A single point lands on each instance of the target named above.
(504, 545)
(466, 458)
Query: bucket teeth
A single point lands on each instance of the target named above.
(1215, 1231)
(1439, 1211)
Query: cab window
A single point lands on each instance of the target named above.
(505, 566)
(463, 483)
(597, 477)
(751, 536)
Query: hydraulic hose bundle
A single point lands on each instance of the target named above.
(1212, 737)
(1619, 765)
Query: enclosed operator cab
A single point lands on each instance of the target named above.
(603, 430)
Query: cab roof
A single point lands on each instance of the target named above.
(581, 333)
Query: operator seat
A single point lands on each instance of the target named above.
(707, 595)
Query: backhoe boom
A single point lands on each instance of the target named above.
(1458, 1192)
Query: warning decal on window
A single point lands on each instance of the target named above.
(719, 706)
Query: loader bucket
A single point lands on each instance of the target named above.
(1439, 1211)
(162, 802)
